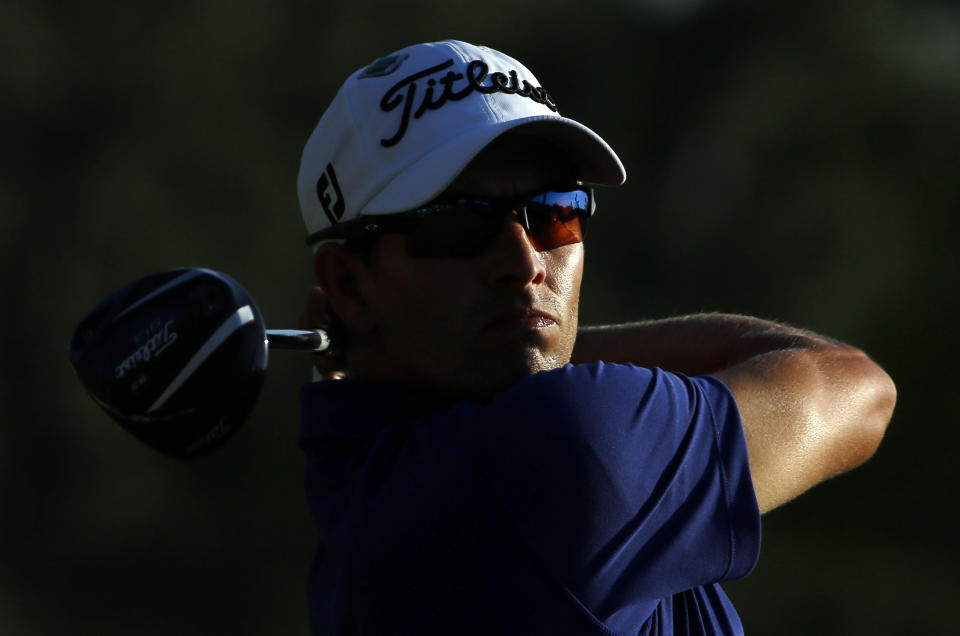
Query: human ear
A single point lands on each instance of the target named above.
(339, 273)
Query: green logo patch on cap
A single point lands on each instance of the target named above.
(383, 66)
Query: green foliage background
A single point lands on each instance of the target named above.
(791, 160)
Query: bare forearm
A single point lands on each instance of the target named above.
(694, 345)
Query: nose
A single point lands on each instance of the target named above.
(512, 259)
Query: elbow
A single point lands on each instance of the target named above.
(884, 401)
(876, 396)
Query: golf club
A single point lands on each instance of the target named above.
(178, 357)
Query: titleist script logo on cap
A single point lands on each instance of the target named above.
(404, 92)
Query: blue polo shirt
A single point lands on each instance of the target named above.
(592, 499)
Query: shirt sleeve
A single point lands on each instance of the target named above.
(628, 483)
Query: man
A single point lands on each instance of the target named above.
(466, 479)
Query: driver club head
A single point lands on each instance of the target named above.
(177, 358)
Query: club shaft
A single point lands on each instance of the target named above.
(312, 341)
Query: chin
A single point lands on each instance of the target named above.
(499, 373)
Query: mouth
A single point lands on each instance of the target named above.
(522, 318)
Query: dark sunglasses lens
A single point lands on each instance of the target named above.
(463, 228)
(456, 230)
(558, 218)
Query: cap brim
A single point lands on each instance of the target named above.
(430, 175)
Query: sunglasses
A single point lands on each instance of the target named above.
(462, 227)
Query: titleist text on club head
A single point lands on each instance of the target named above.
(177, 358)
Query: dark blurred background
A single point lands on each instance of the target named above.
(793, 160)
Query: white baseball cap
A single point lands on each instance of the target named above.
(400, 130)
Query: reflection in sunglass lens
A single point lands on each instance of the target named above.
(556, 218)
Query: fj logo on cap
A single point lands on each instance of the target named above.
(405, 92)
(332, 207)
